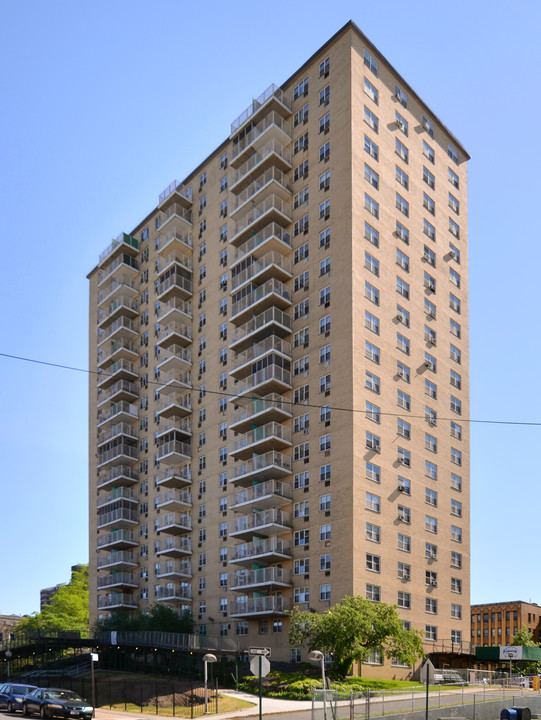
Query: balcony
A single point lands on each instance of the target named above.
(173, 452)
(178, 476)
(241, 363)
(123, 517)
(271, 322)
(118, 455)
(175, 309)
(180, 425)
(175, 285)
(175, 211)
(121, 306)
(120, 560)
(166, 263)
(119, 370)
(124, 243)
(272, 265)
(116, 431)
(176, 405)
(174, 568)
(272, 182)
(117, 601)
(124, 286)
(272, 238)
(174, 333)
(173, 358)
(174, 500)
(259, 440)
(122, 390)
(121, 475)
(271, 379)
(119, 349)
(270, 578)
(260, 606)
(265, 495)
(270, 466)
(174, 547)
(173, 382)
(118, 539)
(270, 550)
(118, 267)
(273, 98)
(118, 412)
(272, 293)
(176, 192)
(117, 579)
(259, 411)
(177, 593)
(175, 239)
(174, 523)
(264, 523)
(123, 493)
(271, 209)
(121, 329)
(272, 126)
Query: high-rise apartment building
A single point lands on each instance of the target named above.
(281, 359)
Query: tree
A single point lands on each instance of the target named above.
(68, 610)
(524, 638)
(352, 629)
(162, 618)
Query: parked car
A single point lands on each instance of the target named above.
(56, 702)
(11, 696)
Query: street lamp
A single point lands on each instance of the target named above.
(93, 659)
(206, 660)
(9, 655)
(318, 655)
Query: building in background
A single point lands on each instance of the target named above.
(8, 623)
(494, 624)
(46, 595)
(279, 370)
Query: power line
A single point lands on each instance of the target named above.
(222, 393)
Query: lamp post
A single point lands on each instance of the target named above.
(206, 660)
(9, 655)
(93, 659)
(318, 655)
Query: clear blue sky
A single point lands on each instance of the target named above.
(105, 102)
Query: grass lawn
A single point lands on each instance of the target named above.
(225, 704)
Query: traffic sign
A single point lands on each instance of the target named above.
(259, 662)
(265, 651)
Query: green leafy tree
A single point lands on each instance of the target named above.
(68, 610)
(162, 618)
(524, 638)
(352, 629)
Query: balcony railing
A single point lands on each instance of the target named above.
(260, 606)
(122, 303)
(271, 287)
(117, 600)
(262, 464)
(120, 451)
(174, 353)
(116, 494)
(261, 547)
(174, 520)
(115, 431)
(124, 261)
(175, 403)
(119, 408)
(183, 425)
(178, 380)
(119, 578)
(271, 406)
(178, 592)
(178, 189)
(121, 557)
(174, 447)
(163, 263)
(272, 375)
(175, 476)
(262, 576)
(123, 284)
(175, 305)
(272, 91)
(175, 209)
(172, 238)
(174, 282)
(270, 232)
(119, 475)
(121, 324)
(271, 315)
(174, 546)
(273, 343)
(268, 205)
(270, 490)
(272, 175)
(271, 121)
(120, 388)
(183, 330)
(272, 262)
(261, 434)
(257, 520)
(180, 497)
(122, 241)
(118, 347)
(273, 152)
(118, 516)
(118, 537)
(119, 367)
(174, 567)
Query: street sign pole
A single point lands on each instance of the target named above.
(260, 689)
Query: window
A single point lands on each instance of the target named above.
(403, 315)
(325, 354)
(373, 562)
(402, 177)
(403, 371)
(325, 325)
(371, 148)
(456, 430)
(454, 328)
(456, 482)
(371, 322)
(402, 343)
(404, 485)
(324, 443)
(429, 230)
(431, 470)
(324, 67)
(371, 263)
(373, 442)
(404, 514)
(431, 606)
(372, 412)
(402, 205)
(401, 150)
(456, 405)
(428, 178)
(373, 532)
(370, 119)
(404, 542)
(370, 176)
(301, 451)
(301, 116)
(402, 232)
(373, 472)
(372, 502)
(402, 287)
(325, 562)
(456, 559)
(301, 171)
(403, 400)
(456, 585)
(325, 152)
(302, 595)
(401, 96)
(301, 309)
(371, 293)
(372, 382)
(325, 532)
(324, 503)
(456, 533)
(301, 567)
(373, 592)
(404, 457)
(456, 456)
(431, 443)
(430, 388)
(403, 571)
(431, 497)
(431, 524)
(429, 204)
(325, 414)
(404, 600)
(301, 537)
(454, 204)
(301, 509)
(325, 123)
(454, 277)
(431, 632)
(301, 143)
(428, 152)
(301, 365)
(454, 303)
(301, 198)
(453, 178)
(453, 153)
(456, 508)
(403, 428)
(371, 234)
(402, 260)
(370, 62)
(324, 182)
(325, 592)
(325, 209)
(325, 238)
(401, 122)
(371, 205)
(324, 473)
(300, 89)
(431, 551)
(325, 95)
(429, 335)
(301, 480)
(456, 611)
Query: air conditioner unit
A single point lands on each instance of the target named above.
(402, 460)
(400, 124)
(434, 583)
(427, 364)
(401, 488)
(405, 576)
(403, 517)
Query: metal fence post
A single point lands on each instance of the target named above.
(156, 692)
(173, 687)
(368, 704)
